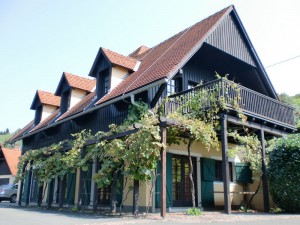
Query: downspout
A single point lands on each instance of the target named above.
(135, 104)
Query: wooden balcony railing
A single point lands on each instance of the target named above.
(250, 102)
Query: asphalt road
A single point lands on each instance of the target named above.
(10, 214)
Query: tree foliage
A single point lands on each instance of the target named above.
(284, 172)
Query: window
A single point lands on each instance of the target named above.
(106, 84)
(219, 173)
(174, 86)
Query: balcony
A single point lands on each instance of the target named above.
(253, 104)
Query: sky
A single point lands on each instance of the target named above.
(40, 39)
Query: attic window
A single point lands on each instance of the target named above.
(174, 86)
(106, 84)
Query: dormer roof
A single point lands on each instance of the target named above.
(75, 81)
(139, 52)
(45, 97)
(120, 60)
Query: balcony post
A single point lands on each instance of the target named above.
(225, 164)
(163, 193)
(264, 172)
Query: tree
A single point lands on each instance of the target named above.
(284, 172)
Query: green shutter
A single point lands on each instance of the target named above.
(71, 184)
(168, 180)
(207, 183)
(208, 169)
(243, 173)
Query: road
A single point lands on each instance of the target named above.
(10, 214)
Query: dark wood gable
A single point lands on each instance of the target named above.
(228, 38)
(38, 107)
(101, 70)
(64, 91)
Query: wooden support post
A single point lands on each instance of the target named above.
(40, 196)
(29, 185)
(50, 194)
(136, 190)
(21, 187)
(113, 205)
(95, 193)
(225, 164)
(163, 155)
(79, 195)
(62, 191)
(264, 172)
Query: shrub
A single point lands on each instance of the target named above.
(284, 173)
(193, 212)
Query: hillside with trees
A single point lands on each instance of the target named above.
(294, 101)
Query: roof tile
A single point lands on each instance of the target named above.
(82, 83)
(48, 98)
(120, 60)
(21, 132)
(163, 59)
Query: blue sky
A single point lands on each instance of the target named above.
(40, 39)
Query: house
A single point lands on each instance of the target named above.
(9, 159)
(218, 43)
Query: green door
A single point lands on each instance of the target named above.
(207, 182)
(168, 180)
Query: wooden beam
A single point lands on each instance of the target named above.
(158, 95)
(113, 199)
(163, 155)
(225, 164)
(257, 126)
(135, 208)
(29, 185)
(79, 196)
(264, 172)
(62, 191)
(49, 194)
(95, 193)
(21, 187)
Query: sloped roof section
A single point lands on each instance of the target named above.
(163, 60)
(48, 98)
(139, 52)
(12, 158)
(120, 60)
(21, 132)
(82, 83)
(79, 107)
(46, 121)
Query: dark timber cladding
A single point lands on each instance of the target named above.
(228, 38)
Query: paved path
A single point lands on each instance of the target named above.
(13, 215)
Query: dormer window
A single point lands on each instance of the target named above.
(38, 114)
(106, 84)
(174, 86)
(65, 101)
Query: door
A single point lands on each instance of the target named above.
(181, 183)
(207, 182)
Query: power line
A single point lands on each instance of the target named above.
(283, 61)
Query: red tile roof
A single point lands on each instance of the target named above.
(12, 158)
(120, 60)
(21, 132)
(163, 60)
(80, 82)
(79, 107)
(48, 98)
(139, 52)
(46, 121)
